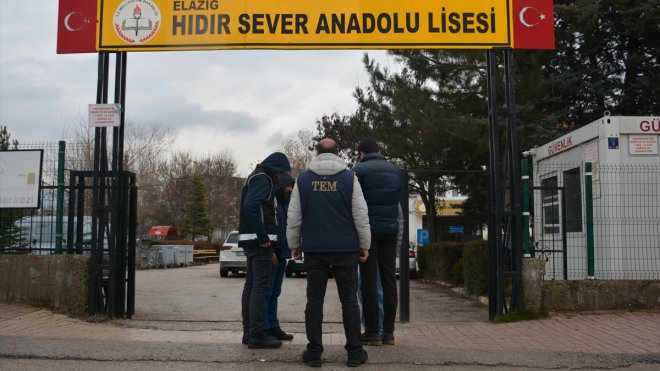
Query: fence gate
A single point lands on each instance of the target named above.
(550, 242)
(112, 199)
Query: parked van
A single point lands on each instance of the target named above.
(38, 233)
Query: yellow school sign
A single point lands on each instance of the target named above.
(152, 25)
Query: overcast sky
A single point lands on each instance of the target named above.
(246, 102)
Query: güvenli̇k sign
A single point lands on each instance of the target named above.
(158, 25)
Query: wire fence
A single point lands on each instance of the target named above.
(34, 231)
(625, 217)
(617, 232)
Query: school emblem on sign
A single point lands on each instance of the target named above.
(137, 21)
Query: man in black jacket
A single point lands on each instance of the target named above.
(257, 235)
(381, 183)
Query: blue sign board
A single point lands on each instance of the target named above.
(423, 236)
(613, 143)
(456, 229)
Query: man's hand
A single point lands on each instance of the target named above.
(274, 260)
(364, 254)
(265, 245)
(296, 253)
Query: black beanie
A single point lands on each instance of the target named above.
(368, 145)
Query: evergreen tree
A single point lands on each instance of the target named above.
(606, 59)
(424, 116)
(195, 219)
(4, 139)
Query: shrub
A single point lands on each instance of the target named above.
(440, 261)
(475, 267)
(457, 272)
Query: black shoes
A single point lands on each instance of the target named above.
(245, 339)
(312, 361)
(371, 339)
(357, 359)
(263, 341)
(388, 338)
(277, 333)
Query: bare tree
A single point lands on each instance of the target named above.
(172, 181)
(144, 147)
(299, 150)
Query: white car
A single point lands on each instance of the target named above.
(232, 257)
(412, 263)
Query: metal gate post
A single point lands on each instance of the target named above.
(404, 270)
(588, 195)
(515, 236)
(59, 211)
(525, 206)
(495, 281)
(511, 242)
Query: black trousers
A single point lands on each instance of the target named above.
(344, 268)
(257, 281)
(382, 256)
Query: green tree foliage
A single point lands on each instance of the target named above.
(195, 219)
(429, 117)
(432, 113)
(5, 143)
(606, 59)
(4, 138)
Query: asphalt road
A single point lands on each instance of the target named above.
(197, 297)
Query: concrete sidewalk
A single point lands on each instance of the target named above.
(602, 340)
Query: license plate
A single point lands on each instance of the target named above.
(240, 253)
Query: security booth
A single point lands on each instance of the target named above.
(595, 200)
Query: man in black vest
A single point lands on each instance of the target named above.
(257, 230)
(381, 182)
(328, 221)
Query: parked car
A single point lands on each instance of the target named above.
(232, 257)
(296, 267)
(412, 263)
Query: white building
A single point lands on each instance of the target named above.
(622, 239)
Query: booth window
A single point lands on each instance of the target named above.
(573, 190)
(550, 199)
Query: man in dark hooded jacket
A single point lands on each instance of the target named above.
(381, 182)
(257, 236)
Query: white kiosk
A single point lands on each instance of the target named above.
(611, 229)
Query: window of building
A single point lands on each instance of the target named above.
(550, 205)
(573, 194)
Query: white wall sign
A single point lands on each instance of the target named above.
(643, 144)
(104, 115)
(591, 152)
(20, 177)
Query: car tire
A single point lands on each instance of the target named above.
(413, 275)
(223, 273)
(288, 273)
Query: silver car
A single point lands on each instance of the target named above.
(232, 257)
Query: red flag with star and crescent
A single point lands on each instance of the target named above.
(76, 26)
(533, 24)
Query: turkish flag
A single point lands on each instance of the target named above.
(533, 24)
(76, 26)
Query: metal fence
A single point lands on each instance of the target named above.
(39, 231)
(592, 221)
